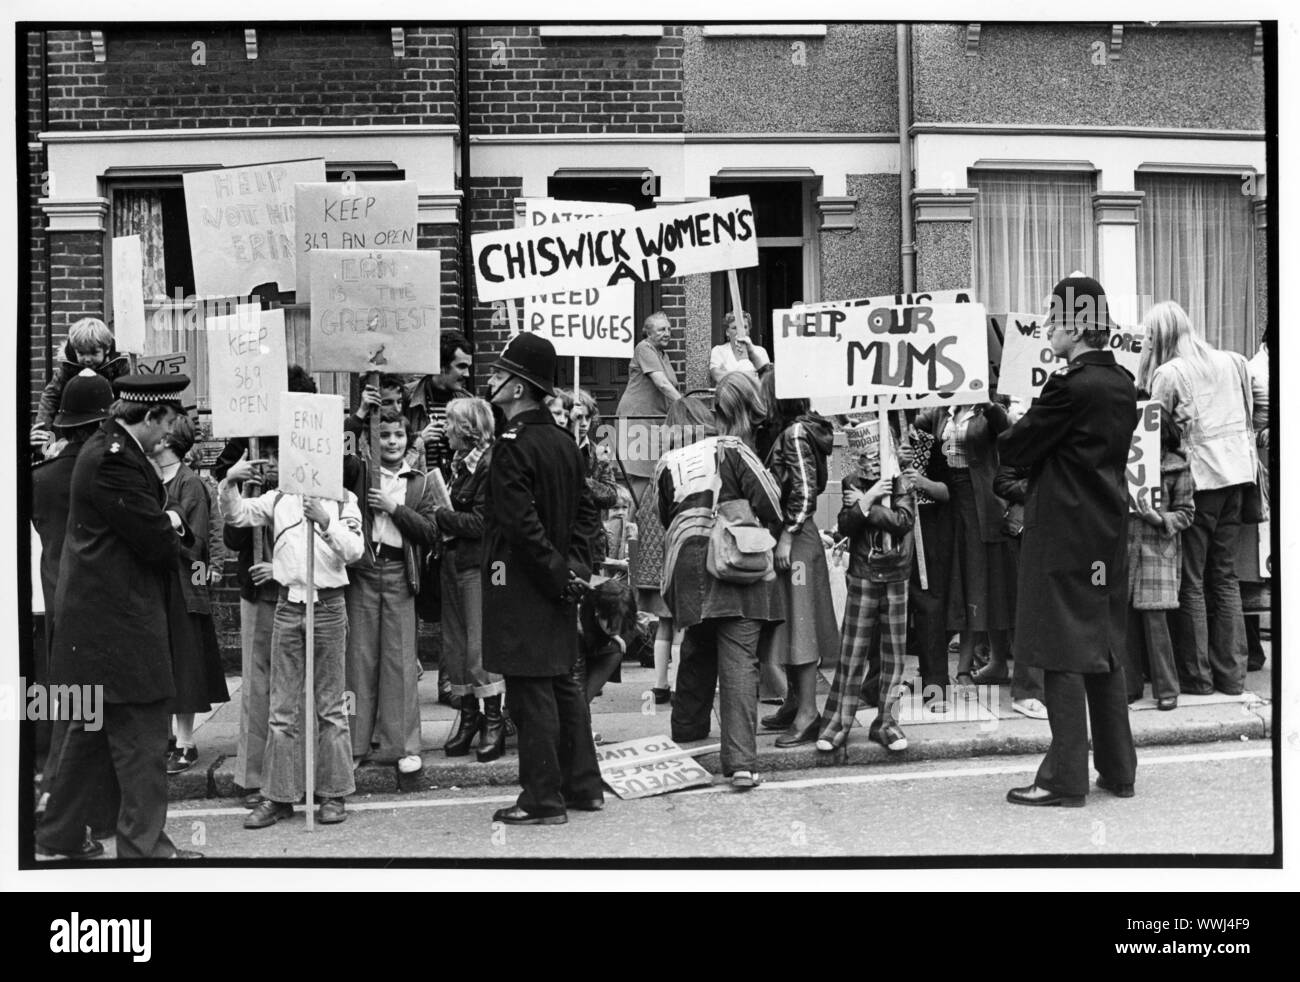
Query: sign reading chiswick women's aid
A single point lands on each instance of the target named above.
(700, 237)
(881, 351)
(375, 310)
(241, 222)
(353, 215)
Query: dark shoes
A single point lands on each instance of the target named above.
(89, 849)
(492, 742)
(1118, 790)
(797, 738)
(468, 725)
(662, 696)
(1167, 703)
(779, 720)
(331, 811)
(585, 804)
(182, 759)
(268, 813)
(1034, 795)
(517, 816)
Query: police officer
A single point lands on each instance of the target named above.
(534, 571)
(110, 630)
(1070, 614)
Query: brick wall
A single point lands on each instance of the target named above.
(338, 75)
(446, 239)
(37, 270)
(491, 207)
(76, 278)
(520, 82)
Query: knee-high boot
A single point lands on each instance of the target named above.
(492, 743)
(468, 723)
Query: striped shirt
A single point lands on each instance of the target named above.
(954, 437)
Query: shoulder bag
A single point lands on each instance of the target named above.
(740, 549)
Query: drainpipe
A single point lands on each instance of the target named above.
(45, 158)
(466, 256)
(907, 249)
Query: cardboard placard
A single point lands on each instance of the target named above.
(863, 440)
(655, 244)
(241, 222)
(595, 322)
(1028, 359)
(919, 298)
(172, 363)
(247, 368)
(128, 294)
(311, 444)
(1143, 469)
(353, 215)
(895, 350)
(649, 766)
(375, 310)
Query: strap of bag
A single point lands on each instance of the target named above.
(1243, 376)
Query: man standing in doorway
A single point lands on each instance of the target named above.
(1071, 610)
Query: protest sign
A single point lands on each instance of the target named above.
(353, 215)
(896, 350)
(594, 322)
(658, 243)
(895, 300)
(247, 369)
(128, 294)
(171, 363)
(649, 766)
(1028, 359)
(375, 310)
(863, 440)
(311, 444)
(1143, 470)
(241, 222)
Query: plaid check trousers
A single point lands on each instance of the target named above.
(868, 601)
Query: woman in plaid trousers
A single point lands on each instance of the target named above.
(880, 563)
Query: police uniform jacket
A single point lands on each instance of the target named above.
(535, 512)
(120, 548)
(51, 492)
(1071, 608)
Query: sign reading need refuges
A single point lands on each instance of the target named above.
(171, 363)
(1143, 470)
(593, 322)
(241, 222)
(648, 766)
(128, 293)
(1028, 359)
(655, 244)
(353, 215)
(247, 369)
(311, 444)
(375, 310)
(897, 350)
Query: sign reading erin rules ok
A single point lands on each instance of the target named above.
(311, 444)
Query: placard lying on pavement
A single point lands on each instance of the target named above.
(655, 244)
(649, 766)
(1028, 359)
(353, 215)
(1143, 470)
(247, 371)
(311, 444)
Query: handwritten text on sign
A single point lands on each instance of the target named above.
(375, 311)
(128, 293)
(594, 322)
(171, 363)
(1143, 469)
(365, 215)
(648, 766)
(939, 348)
(241, 222)
(247, 369)
(896, 300)
(311, 444)
(1028, 359)
(700, 237)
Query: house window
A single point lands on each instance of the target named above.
(1195, 246)
(1031, 229)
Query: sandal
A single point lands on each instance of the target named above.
(745, 780)
(827, 746)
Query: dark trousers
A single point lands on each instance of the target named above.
(557, 758)
(1149, 650)
(723, 651)
(1072, 699)
(126, 755)
(1207, 626)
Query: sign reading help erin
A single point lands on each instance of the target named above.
(128, 294)
(241, 223)
(311, 444)
(1028, 359)
(352, 215)
(839, 352)
(247, 369)
(595, 322)
(649, 766)
(171, 363)
(375, 311)
(1143, 470)
(700, 237)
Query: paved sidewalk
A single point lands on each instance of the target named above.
(983, 725)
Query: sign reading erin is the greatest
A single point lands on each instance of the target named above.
(700, 237)
(353, 215)
(311, 444)
(241, 223)
(375, 310)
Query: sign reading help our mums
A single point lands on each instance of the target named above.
(648, 766)
(353, 215)
(594, 322)
(1028, 359)
(241, 223)
(171, 363)
(311, 444)
(700, 237)
(375, 311)
(881, 351)
(128, 293)
(1143, 470)
(896, 300)
(247, 368)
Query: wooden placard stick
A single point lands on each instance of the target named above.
(252, 488)
(373, 479)
(733, 284)
(918, 538)
(309, 709)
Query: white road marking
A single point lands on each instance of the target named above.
(771, 784)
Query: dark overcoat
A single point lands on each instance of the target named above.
(120, 549)
(51, 495)
(1073, 593)
(536, 506)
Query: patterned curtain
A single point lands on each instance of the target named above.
(138, 211)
